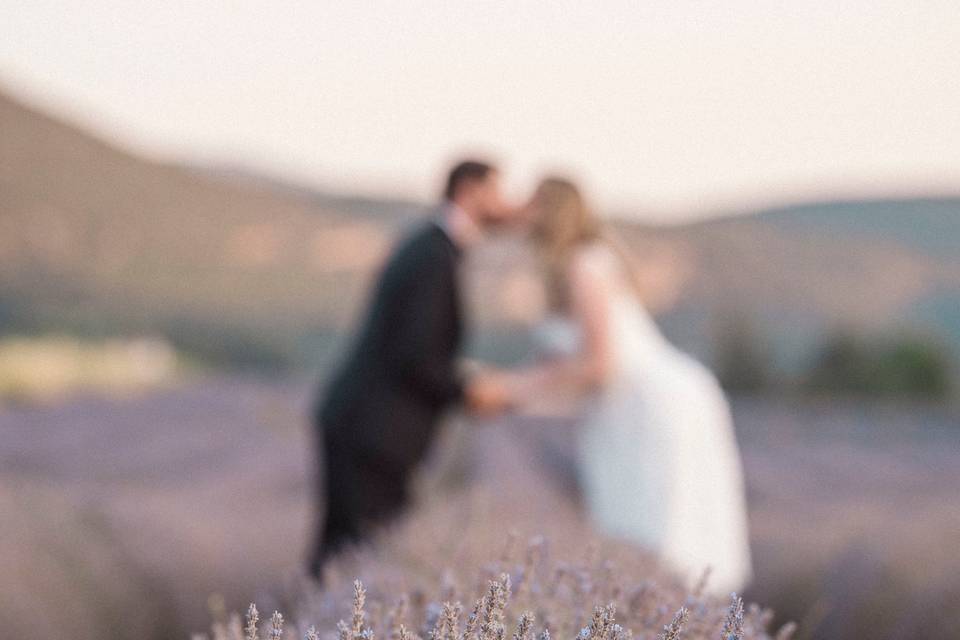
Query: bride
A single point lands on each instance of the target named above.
(658, 458)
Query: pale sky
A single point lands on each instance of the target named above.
(673, 107)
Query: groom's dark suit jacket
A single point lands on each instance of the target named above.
(401, 373)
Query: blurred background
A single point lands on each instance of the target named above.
(195, 196)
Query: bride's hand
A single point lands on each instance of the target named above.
(493, 391)
(523, 386)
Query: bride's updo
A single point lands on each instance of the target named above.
(562, 223)
(563, 220)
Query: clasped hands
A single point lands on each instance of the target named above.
(488, 393)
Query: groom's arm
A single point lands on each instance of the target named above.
(414, 353)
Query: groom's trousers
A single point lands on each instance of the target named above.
(356, 494)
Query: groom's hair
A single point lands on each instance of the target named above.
(463, 172)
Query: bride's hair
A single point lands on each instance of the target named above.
(564, 224)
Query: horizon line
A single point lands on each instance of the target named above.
(724, 204)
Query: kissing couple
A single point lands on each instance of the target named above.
(658, 459)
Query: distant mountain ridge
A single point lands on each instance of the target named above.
(796, 272)
(924, 224)
(392, 209)
(242, 268)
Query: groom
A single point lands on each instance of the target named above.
(382, 408)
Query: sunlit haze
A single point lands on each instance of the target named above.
(666, 109)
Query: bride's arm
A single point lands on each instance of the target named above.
(590, 296)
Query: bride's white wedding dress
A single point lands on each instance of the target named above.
(659, 460)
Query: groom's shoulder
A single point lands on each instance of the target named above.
(422, 245)
(424, 239)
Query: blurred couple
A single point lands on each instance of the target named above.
(658, 458)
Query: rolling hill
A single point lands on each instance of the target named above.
(881, 266)
(242, 269)
(93, 240)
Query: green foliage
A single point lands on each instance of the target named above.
(903, 366)
(915, 368)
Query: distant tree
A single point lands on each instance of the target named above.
(12, 314)
(914, 368)
(842, 366)
(889, 367)
(741, 360)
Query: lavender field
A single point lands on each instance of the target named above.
(121, 516)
